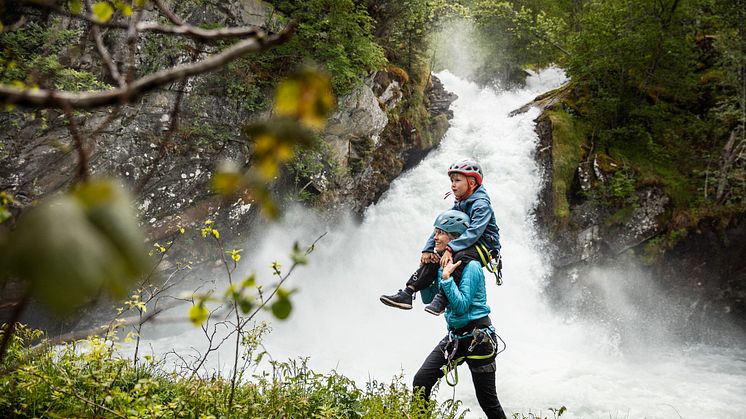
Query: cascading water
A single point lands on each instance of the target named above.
(339, 323)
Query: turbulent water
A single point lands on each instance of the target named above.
(551, 359)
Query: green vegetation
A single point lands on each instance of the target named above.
(334, 34)
(90, 378)
(657, 94)
(32, 56)
(646, 74)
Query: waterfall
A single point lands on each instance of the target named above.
(551, 360)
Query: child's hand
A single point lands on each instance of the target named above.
(448, 269)
(428, 257)
(446, 258)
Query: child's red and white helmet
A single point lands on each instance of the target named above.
(467, 167)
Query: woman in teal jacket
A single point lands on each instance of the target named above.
(471, 337)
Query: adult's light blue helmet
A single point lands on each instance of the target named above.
(452, 221)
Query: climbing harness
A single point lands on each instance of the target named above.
(479, 336)
(493, 263)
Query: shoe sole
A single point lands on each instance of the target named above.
(433, 312)
(392, 303)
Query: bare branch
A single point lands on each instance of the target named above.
(168, 13)
(180, 30)
(72, 126)
(132, 38)
(93, 99)
(104, 53)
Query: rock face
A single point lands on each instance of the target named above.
(171, 172)
(367, 145)
(400, 145)
(699, 268)
(356, 125)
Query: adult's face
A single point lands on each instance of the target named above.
(441, 240)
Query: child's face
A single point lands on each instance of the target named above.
(461, 185)
(441, 240)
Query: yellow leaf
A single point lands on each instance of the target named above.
(307, 97)
(75, 6)
(263, 144)
(227, 182)
(268, 168)
(198, 314)
(103, 11)
(284, 152)
(125, 8)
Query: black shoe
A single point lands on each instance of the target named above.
(401, 299)
(438, 305)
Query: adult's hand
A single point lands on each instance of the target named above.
(448, 269)
(446, 258)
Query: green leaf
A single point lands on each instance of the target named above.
(108, 210)
(282, 308)
(246, 304)
(103, 11)
(282, 293)
(249, 282)
(63, 258)
(198, 314)
(299, 258)
(4, 214)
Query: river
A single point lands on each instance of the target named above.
(551, 359)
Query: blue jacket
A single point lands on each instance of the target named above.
(482, 224)
(467, 301)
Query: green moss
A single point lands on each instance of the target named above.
(568, 138)
(619, 217)
(658, 246)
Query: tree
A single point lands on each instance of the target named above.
(69, 248)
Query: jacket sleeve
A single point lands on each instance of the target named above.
(480, 216)
(460, 297)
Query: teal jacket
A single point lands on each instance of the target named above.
(467, 301)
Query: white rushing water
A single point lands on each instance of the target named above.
(550, 361)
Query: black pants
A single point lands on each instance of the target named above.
(426, 274)
(482, 374)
